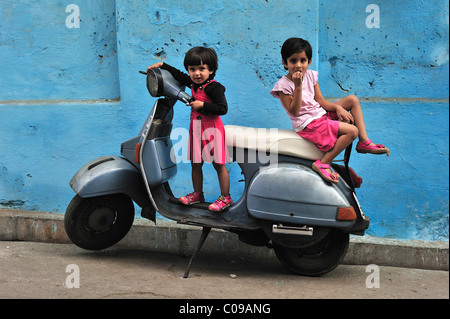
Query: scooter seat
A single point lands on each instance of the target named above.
(279, 141)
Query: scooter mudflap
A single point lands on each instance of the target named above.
(201, 241)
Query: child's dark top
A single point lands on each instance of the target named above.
(214, 90)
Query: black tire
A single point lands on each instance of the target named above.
(98, 222)
(317, 259)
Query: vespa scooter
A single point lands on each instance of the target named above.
(285, 205)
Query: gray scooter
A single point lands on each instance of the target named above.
(285, 205)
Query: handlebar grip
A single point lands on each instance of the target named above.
(142, 72)
(185, 98)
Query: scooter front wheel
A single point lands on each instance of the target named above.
(317, 259)
(97, 223)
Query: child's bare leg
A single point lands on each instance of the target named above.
(224, 179)
(351, 103)
(197, 177)
(347, 133)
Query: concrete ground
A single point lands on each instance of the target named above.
(46, 270)
(38, 261)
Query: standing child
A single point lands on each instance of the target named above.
(206, 130)
(328, 125)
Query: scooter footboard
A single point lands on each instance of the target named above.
(110, 175)
(294, 194)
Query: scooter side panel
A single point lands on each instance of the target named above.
(110, 175)
(158, 161)
(292, 193)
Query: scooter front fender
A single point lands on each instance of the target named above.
(110, 175)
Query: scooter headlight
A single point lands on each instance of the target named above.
(154, 82)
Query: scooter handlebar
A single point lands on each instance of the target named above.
(185, 98)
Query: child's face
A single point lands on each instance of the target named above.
(297, 62)
(199, 73)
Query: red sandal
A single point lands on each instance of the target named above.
(320, 168)
(372, 149)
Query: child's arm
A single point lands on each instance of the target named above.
(219, 105)
(343, 114)
(293, 103)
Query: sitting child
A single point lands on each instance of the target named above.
(328, 125)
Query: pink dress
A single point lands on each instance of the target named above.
(206, 134)
(313, 122)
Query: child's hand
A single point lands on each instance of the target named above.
(155, 66)
(297, 78)
(344, 115)
(196, 105)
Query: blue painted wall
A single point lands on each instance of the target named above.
(70, 94)
(41, 58)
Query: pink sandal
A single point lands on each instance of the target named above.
(221, 203)
(372, 149)
(320, 168)
(192, 198)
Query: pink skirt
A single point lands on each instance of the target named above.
(207, 139)
(323, 132)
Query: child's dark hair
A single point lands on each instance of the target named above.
(295, 45)
(199, 55)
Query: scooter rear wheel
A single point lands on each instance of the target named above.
(317, 259)
(97, 223)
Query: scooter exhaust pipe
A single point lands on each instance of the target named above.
(291, 230)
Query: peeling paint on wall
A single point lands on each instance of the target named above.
(398, 59)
